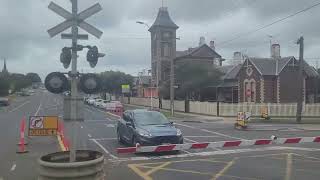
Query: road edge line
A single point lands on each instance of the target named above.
(62, 147)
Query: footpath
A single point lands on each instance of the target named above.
(308, 124)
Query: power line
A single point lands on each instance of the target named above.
(268, 25)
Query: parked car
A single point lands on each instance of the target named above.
(67, 93)
(90, 100)
(147, 128)
(103, 104)
(97, 102)
(4, 101)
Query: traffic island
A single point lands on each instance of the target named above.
(89, 165)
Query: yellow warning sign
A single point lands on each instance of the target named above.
(43, 125)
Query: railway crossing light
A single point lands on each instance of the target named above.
(90, 83)
(56, 83)
(93, 55)
(65, 57)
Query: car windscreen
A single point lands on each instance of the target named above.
(150, 118)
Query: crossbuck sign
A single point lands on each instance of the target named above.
(70, 20)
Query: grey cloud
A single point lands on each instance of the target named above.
(24, 40)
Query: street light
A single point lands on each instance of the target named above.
(157, 71)
(143, 23)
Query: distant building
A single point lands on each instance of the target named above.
(143, 87)
(163, 48)
(4, 71)
(268, 80)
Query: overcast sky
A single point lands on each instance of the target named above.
(26, 45)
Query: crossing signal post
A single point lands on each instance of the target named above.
(69, 55)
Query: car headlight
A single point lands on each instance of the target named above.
(179, 133)
(144, 133)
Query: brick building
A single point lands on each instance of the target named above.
(163, 48)
(269, 80)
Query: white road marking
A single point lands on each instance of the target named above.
(91, 111)
(200, 136)
(89, 135)
(104, 149)
(13, 167)
(103, 139)
(37, 112)
(210, 153)
(213, 132)
(190, 140)
(186, 151)
(110, 125)
(19, 106)
(81, 127)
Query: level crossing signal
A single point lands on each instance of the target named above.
(65, 57)
(93, 55)
(90, 83)
(56, 83)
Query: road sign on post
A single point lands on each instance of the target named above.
(74, 20)
(43, 126)
(125, 88)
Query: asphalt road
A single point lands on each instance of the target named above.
(263, 162)
(98, 132)
(23, 166)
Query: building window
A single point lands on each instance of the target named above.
(166, 35)
(165, 50)
(249, 93)
(154, 48)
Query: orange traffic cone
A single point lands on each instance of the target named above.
(22, 142)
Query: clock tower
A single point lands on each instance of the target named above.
(163, 45)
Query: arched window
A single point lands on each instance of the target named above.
(249, 92)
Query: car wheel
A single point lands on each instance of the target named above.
(120, 140)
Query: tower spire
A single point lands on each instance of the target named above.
(4, 70)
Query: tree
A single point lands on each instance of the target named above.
(34, 77)
(4, 86)
(112, 81)
(19, 81)
(191, 79)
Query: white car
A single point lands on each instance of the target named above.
(103, 104)
(91, 101)
(97, 102)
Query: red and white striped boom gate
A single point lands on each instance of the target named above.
(220, 144)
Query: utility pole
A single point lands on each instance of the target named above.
(317, 83)
(74, 84)
(172, 86)
(300, 80)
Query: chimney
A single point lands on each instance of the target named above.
(237, 58)
(212, 45)
(202, 41)
(275, 51)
